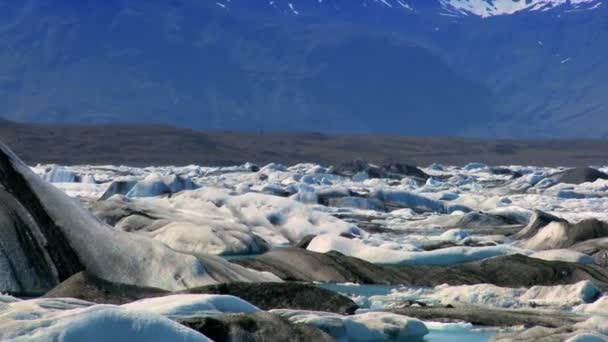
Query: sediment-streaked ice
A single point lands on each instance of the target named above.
(69, 320)
(581, 296)
(371, 326)
(443, 256)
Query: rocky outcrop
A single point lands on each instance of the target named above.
(266, 296)
(297, 264)
(255, 327)
(507, 271)
(579, 175)
(389, 171)
(503, 171)
(88, 287)
(486, 316)
(297, 296)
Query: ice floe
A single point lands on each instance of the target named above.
(371, 326)
(578, 295)
(69, 320)
(547, 221)
(443, 256)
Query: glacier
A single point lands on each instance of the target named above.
(208, 220)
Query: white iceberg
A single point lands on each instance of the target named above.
(443, 256)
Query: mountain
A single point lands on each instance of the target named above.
(479, 67)
(454, 8)
(190, 63)
(488, 8)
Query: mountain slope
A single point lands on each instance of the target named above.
(488, 8)
(190, 63)
(454, 8)
(534, 68)
(547, 73)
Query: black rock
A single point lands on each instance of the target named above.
(297, 296)
(86, 286)
(507, 271)
(297, 264)
(398, 171)
(254, 168)
(580, 175)
(265, 296)
(486, 316)
(349, 169)
(260, 326)
(390, 171)
(503, 171)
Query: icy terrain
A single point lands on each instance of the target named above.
(452, 223)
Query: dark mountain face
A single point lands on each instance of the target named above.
(407, 67)
(193, 64)
(548, 72)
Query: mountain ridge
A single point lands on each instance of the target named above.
(454, 8)
(197, 64)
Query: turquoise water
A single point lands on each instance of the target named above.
(449, 334)
(360, 290)
(459, 335)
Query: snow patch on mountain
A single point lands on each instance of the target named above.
(482, 8)
(488, 8)
(305, 7)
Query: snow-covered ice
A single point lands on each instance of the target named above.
(443, 256)
(456, 215)
(579, 296)
(69, 320)
(191, 305)
(371, 326)
(108, 253)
